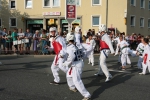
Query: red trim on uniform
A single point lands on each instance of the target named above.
(145, 58)
(70, 71)
(56, 59)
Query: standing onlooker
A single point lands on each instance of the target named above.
(28, 35)
(4, 33)
(20, 37)
(8, 43)
(93, 32)
(14, 38)
(36, 38)
(44, 42)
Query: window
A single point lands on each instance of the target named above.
(13, 22)
(95, 2)
(142, 3)
(132, 21)
(28, 3)
(78, 2)
(12, 4)
(141, 22)
(148, 23)
(46, 3)
(133, 2)
(149, 5)
(56, 3)
(0, 22)
(95, 20)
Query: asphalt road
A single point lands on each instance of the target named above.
(28, 77)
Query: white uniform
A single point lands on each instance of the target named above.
(124, 53)
(146, 59)
(58, 61)
(104, 54)
(140, 50)
(117, 49)
(93, 44)
(74, 73)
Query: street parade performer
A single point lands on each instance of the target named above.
(59, 46)
(75, 61)
(105, 47)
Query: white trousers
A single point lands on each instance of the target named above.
(139, 64)
(125, 59)
(56, 68)
(145, 67)
(102, 64)
(74, 78)
(91, 57)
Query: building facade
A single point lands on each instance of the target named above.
(121, 15)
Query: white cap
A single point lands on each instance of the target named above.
(77, 29)
(102, 28)
(71, 37)
(52, 29)
(37, 31)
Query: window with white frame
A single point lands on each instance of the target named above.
(142, 4)
(28, 3)
(0, 22)
(133, 2)
(56, 3)
(141, 22)
(46, 3)
(13, 22)
(149, 5)
(149, 23)
(78, 2)
(132, 21)
(95, 20)
(95, 2)
(12, 4)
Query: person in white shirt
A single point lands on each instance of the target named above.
(123, 45)
(140, 50)
(91, 42)
(146, 56)
(21, 36)
(60, 56)
(74, 59)
(106, 48)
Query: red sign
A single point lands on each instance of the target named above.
(71, 12)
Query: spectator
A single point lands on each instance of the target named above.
(4, 33)
(8, 43)
(36, 43)
(20, 37)
(14, 38)
(28, 36)
(93, 32)
(44, 42)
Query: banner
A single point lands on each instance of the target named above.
(70, 9)
(20, 41)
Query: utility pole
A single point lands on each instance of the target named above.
(107, 14)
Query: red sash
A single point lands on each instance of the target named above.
(56, 59)
(70, 71)
(57, 47)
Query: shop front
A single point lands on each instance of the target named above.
(51, 23)
(34, 24)
(64, 24)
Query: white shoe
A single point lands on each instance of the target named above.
(108, 79)
(74, 90)
(86, 98)
(141, 73)
(97, 74)
(92, 64)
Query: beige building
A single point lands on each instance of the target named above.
(123, 15)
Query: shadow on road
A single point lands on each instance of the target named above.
(118, 79)
(1, 89)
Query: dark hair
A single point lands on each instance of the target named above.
(90, 35)
(72, 41)
(142, 36)
(146, 40)
(89, 29)
(44, 30)
(4, 28)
